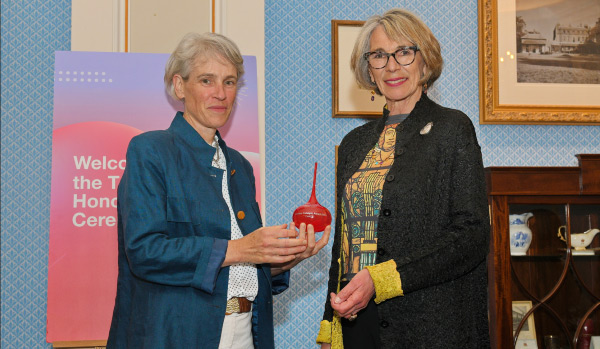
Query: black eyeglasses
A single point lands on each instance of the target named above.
(404, 56)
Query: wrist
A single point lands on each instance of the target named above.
(282, 267)
(233, 253)
(287, 266)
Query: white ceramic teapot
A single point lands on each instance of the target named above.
(520, 234)
(579, 241)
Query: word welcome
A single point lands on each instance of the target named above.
(87, 163)
(83, 202)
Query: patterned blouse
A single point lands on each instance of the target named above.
(361, 202)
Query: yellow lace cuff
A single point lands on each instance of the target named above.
(324, 335)
(337, 342)
(386, 280)
(331, 332)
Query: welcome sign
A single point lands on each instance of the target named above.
(101, 101)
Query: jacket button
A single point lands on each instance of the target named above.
(387, 212)
(241, 215)
(380, 252)
(399, 151)
(384, 324)
(390, 177)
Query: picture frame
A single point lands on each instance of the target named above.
(519, 310)
(502, 99)
(348, 99)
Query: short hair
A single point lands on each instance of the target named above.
(397, 24)
(194, 46)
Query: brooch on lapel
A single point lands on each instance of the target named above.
(425, 130)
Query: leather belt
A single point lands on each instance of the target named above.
(238, 305)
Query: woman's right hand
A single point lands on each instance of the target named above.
(325, 346)
(312, 248)
(275, 244)
(355, 296)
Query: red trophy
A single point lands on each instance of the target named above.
(312, 212)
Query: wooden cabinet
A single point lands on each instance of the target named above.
(552, 289)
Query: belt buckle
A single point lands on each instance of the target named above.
(238, 305)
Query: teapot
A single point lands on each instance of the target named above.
(578, 241)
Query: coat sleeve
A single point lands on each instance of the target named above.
(280, 283)
(154, 253)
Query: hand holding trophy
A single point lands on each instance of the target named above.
(312, 212)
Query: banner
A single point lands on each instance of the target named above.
(101, 101)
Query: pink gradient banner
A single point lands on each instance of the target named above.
(102, 100)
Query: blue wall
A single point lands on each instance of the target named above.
(31, 32)
(299, 131)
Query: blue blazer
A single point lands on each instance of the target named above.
(173, 228)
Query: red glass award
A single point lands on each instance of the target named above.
(312, 212)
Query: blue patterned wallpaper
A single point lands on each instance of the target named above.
(299, 131)
(31, 32)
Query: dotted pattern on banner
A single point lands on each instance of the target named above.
(31, 32)
(300, 131)
(76, 76)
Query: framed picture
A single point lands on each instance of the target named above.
(519, 310)
(535, 67)
(349, 100)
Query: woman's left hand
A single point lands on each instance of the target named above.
(355, 296)
(312, 247)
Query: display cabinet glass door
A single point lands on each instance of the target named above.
(555, 286)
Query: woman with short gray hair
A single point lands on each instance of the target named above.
(193, 46)
(196, 267)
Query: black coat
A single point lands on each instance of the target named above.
(433, 223)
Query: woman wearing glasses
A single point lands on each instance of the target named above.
(412, 229)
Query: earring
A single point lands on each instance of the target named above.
(372, 95)
(425, 87)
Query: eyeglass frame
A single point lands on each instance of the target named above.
(415, 49)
